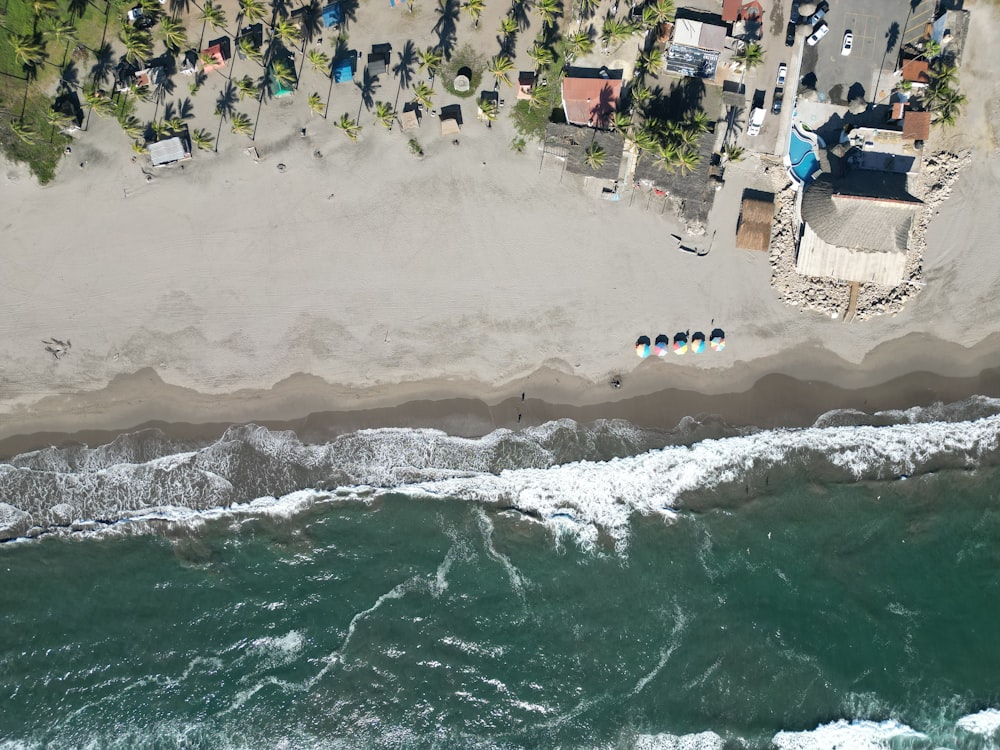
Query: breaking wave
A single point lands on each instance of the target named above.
(579, 479)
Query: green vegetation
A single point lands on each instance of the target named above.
(465, 57)
(531, 117)
(350, 126)
(415, 147)
(942, 96)
(595, 156)
(750, 56)
(517, 145)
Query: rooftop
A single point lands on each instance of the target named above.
(916, 71)
(756, 215)
(590, 96)
(570, 143)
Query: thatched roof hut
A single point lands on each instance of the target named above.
(756, 214)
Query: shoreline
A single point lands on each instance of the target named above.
(791, 389)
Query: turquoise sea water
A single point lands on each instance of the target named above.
(749, 619)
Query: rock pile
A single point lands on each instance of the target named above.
(932, 186)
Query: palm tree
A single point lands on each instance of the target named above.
(131, 127)
(500, 67)
(548, 11)
(138, 45)
(430, 60)
(176, 125)
(475, 9)
(423, 94)
(350, 127)
(663, 10)
(241, 124)
(316, 103)
(247, 48)
(666, 156)
(57, 119)
(542, 55)
(622, 122)
(489, 109)
(61, 32)
(253, 10)
(750, 56)
(652, 61)
(614, 31)
(508, 26)
(595, 156)
(28, 50)
(700, 122)
(282, 72)
(733, 152)
(139, 146)
(287, 31)
(160, 129)
(588, 8)
(202, 139)
(580, 43)
(43, 8)
(142, 93)
(173, 33)
(517, 145)
(214, 15)
(384, 114)
(99, 102)
(319, 60)
(943, 74)
(931, 49)
(645, 139)
(687, 160)
(246, 87)
(640, 94)
(24, 131)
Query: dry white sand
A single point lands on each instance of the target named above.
(368, 268)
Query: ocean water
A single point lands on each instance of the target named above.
(569, 586)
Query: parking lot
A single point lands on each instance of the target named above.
(879, 29)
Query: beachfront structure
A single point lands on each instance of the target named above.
(856, 228)
(565, 147)
(590, 96)
(525, 84)
(332, 16)
(950, 31)
(169, 151)
(756, 214)
(343, 70)
(916, 126)
(694, 48)
(917, 72)
(214, 57)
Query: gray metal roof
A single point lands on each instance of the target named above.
(167, 152)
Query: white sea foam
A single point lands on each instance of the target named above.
(533, 471)
(985, 723)
(699, 741)
(843, 735)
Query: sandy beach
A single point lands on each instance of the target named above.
(358, 278)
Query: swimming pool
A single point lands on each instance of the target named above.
(802, 160)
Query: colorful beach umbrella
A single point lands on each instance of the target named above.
(697, 345)
(680, 346)
(642, 350)
(662, 345)
(718, 343)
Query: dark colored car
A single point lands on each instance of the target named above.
(821, 10)
(790, 35)
(778, 99)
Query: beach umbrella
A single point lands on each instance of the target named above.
(680, 346)
(718, 343)
(697, 346)
(642, 350)
(662, 345)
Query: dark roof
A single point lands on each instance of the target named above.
(916, 125)
(694, 189)
(571, 142)
(863, 211)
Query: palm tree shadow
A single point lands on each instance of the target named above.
(185, 108)
(519, 12)
(367, 86)
(70, 75)
(225, 103)
(169, 111)
(349, 11)
(77, 7)
(101, 69)
(179, 6)
(508, 45)
(446, 26)
(404, 68)
(312, 21)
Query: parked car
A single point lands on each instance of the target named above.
(848, 43)
(790, 35)
(782, 72)
(134, 14)
(821, 11)
(818, 33)
(779, 97)
(757, 116)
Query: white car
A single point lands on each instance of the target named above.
(782, 71)
(756, 121)
(818, 33)
(848, 43)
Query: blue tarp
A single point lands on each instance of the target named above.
(343, 70)
(332, 15)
